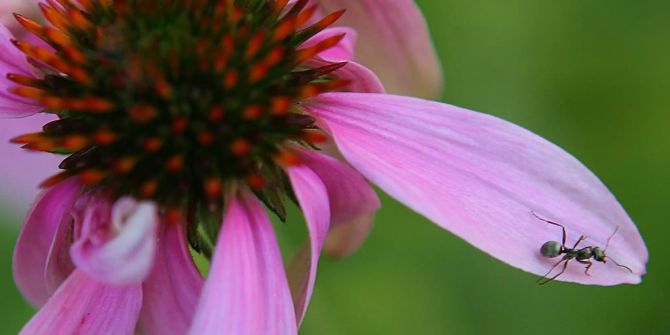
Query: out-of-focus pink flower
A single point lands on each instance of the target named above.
(175, 135)
(20, 179)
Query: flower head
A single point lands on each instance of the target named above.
(178, 120)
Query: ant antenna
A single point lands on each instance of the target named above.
(610, 238)
(619, 265)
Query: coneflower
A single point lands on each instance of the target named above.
(181, 122)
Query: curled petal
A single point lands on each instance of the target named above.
(13, 61)
(352, 202)
(84, 306)
(246, 291)
(482, 178)
(38, 238)
(394, 42)
(313, 198)
(171, 291)
(117, 247)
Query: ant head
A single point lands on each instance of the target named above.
(551, 249)
(599, 254)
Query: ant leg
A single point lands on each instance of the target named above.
(548, 272)
(554, 223)
(565, 266)
(589, 264)
(581, 238)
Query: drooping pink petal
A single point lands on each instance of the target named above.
(481, 178)
(83, 306)
(171, 291)
(38, 237)
(117, 246)
(246, 291)
(13, 61)
(352, 202)
(27, 169)
(394, 42)
(313, 198)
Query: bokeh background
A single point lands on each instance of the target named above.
(592, 76)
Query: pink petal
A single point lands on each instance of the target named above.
(22, 170)
(38, 237)
(352, 202)
(13, 61)
(481, 178)
(313, 198)
(172, 289)
(347, 237)
(394, 42)
(246, 291)
(84, 306)
(117, 247)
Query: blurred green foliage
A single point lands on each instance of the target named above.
(592, 76)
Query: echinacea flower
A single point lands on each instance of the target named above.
(180, 120)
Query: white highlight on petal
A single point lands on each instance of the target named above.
(119, 247)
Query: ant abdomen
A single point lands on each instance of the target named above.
(551, 249)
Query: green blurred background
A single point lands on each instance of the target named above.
(592, 76)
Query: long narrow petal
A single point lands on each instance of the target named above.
(246, 291)
(313, 198)
(13, 61)
(482, 178)
(172, 289)
(393, 41)
(352, 202)
(83, 306)
(37, 237)
(120, 248)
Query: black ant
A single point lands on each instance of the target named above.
(551, 249)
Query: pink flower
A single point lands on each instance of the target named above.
(179, 123)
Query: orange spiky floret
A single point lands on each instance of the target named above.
(309, 52)
(288, 158)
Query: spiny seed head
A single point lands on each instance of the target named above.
(173, 100)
